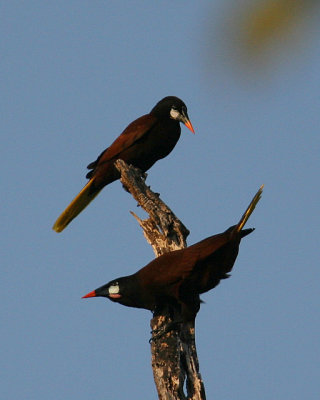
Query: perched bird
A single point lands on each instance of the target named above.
(179, 277)
(143, 142)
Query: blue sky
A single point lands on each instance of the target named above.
(73, 75)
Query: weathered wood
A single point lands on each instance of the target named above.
(173, 350)
(163, 230)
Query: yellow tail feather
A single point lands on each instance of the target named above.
(250, 209)
(75, 207)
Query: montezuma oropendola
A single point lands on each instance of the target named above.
(143, 142)
(179, 277)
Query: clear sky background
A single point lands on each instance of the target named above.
(73, 75)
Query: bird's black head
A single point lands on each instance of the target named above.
(174, 108)
(123, 290)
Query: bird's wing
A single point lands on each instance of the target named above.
(177, 265)
(133, 132)
(203, 249)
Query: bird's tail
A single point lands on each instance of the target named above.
(80, 202)
(249, 210)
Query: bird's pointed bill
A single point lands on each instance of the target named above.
(91, 294)
(189, 125)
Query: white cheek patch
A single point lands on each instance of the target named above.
(174, 114)
(114, 290)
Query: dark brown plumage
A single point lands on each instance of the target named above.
(179, 277)
(146, 140)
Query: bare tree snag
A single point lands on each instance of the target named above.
(173, 350)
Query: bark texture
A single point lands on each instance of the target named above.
(173, 350)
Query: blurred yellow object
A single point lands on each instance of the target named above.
(257, 35)
(270, 19)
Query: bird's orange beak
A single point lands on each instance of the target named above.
(189, 125)
(91, 294)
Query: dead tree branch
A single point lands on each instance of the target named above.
(173, 351)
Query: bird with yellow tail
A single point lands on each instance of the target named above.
(145, 141)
